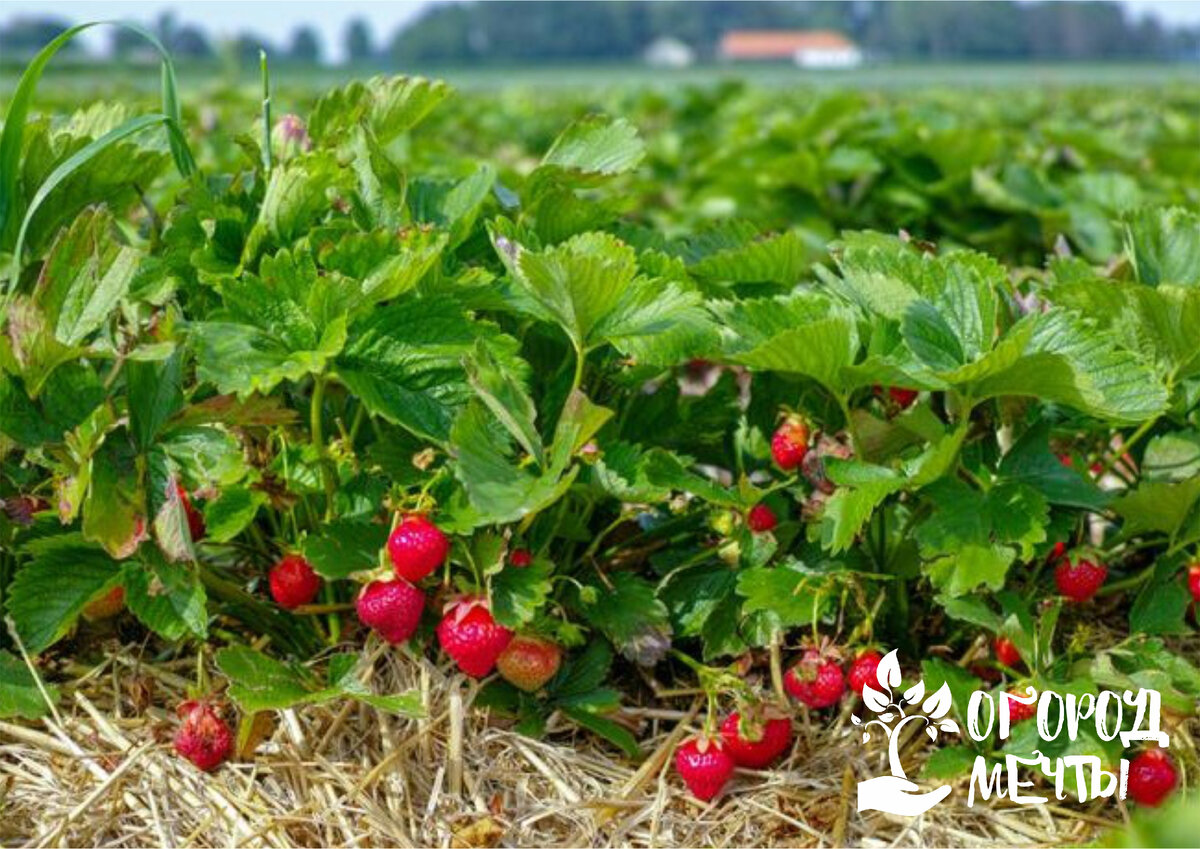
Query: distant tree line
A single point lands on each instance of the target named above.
(499, 31)
(503, 32)
(24, 36)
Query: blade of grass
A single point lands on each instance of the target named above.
(266, 110)
(69, 166)
(13, 135)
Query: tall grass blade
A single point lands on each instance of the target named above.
(73, 163)
(13, 135)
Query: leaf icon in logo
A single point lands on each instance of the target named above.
(915, 693)
(874, 699)
(888, 672)
(938, 705)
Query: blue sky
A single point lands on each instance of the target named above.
(273, 20)
(276, 20)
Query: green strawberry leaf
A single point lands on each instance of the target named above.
(168, 598)
(499, 486)
(618, 735)
(405, 362)
(948, 762)
(781, 260)
(50, 591)
(1163, 246)
(344, 546)
(387, 106)
(20, 695)
(1031, 462)
(519, 593)
(231, 512)
(260, 683)
(506, 398)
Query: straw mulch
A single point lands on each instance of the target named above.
(101, 772)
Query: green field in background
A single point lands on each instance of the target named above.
(110, 78)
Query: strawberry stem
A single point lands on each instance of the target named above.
(318, 444)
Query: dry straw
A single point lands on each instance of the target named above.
(102, 773)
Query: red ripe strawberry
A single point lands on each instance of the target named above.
(789, 443)
(106, 606)
(529, 662)
(864, 670)
(195, 518)
(1066, 459)
(1057, 553)
(903, 397)
(756, 743)
(470, 635)
(520, 558)
(704, 766)
(1006, 652)
(1194, 581)
(1018, 711)
(1080, 579)
(293, 582)
(204, 738)
(391, 608)
(761, 519)
(417, 547)
(1152, 777)
(815, 680)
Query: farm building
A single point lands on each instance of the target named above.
(807, 48)
(669, 53)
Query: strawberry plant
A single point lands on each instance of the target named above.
(518, 423)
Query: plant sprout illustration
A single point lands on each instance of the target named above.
(894, 793)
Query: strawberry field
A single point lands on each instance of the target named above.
(412, 466)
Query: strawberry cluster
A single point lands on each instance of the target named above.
(756, 738)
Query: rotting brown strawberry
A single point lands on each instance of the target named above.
(417, 546)
(105, 606)
(21, 508)
(789, 443)
(816, 680)
(865, 670)
(1152, 777)
(761, 519)
(529, 662)
(391, 608)
(204, 738)
(472, 638)
(704, 765)
(1006, 652)
(293, 582)
(813, 466)
(756, 741)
